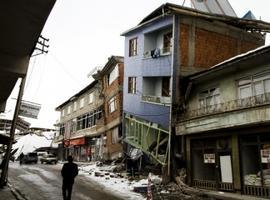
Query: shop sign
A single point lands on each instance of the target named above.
(209, 158)
(29, 110)
(265, 155)
(77, 142)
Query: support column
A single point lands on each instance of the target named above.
(236, 163)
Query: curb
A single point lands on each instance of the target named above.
(17, 194)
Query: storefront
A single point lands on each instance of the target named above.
(238, 162)
(78, 148)
(211, 163)
(255, 164)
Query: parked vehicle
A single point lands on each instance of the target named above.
(30, 158)
(41, 154)
(48, 159)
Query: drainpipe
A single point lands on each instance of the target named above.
(12, 133)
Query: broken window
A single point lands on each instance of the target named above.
(132, 85)
(133, 47)
(167, 42)
(165, 86)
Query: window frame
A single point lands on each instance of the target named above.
(81, 102)
(91, 98)
(133, 47)
(112, 103)
(132, 85)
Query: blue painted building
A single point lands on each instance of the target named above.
(167, 45)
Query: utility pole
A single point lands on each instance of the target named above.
(12, 133)
(41, 48)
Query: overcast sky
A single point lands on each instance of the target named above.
(83, 34)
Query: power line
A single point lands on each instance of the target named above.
(65, 70)
(30, 74)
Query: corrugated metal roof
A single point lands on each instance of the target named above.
(221, 7)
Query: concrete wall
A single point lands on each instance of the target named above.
(228, 85)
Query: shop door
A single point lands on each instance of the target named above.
(224, 167)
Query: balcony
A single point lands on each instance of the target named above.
(156, 99)
(158, 43)
(156, 90)
(233, 105)
(157, 52)
(235, 113)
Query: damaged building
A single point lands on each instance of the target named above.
(226, 125)
(90, 126)
(81, 125)
(169, 44)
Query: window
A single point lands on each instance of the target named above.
(254, 85)
(113, 75)
(165, 86)
(75, 105)
(91, 97)
(115, 135)
(81, 102)
(133, 47)
(69, 110)
(132, 85)
(112, 104)
(89, 120)
(209, 98)
(167, 42)
(63, 112)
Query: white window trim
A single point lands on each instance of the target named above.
(91, 98)
(81, 102)
(112, 105)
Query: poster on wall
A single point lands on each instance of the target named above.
(209, 158)
(265, 155)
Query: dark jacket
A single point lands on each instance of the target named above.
(69, 172)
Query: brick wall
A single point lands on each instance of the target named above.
(210, 47)
(114, 89)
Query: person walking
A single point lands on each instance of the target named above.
(69, 172)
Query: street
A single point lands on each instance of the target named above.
(42, 182)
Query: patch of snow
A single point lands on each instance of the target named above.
(120, 186)
(31, 142)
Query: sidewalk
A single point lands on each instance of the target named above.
(231, 196)
(9, 193)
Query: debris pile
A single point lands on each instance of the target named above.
(173, 191)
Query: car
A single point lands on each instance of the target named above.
(41, 154)
(48, 159)
(30, 158)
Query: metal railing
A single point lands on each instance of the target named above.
(157, 52)
(236, 104)
(156, 99)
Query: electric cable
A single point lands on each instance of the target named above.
(65, 70)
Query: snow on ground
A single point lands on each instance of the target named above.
(29, 143)
(120, 186)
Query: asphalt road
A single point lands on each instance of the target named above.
(44, 182)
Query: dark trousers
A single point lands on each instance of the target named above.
(67, 190)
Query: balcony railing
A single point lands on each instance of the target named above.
(156, 99)
(236, 104)
(155, 53)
